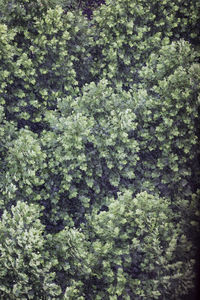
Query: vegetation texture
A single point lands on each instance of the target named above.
(99, 149)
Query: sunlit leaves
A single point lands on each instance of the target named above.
(93, 151)
(24, 261)
(137, 29)
(134, 239)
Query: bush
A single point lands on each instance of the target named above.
(167, 114)
(136, 251)
(69, 248)
(24, 163)
(48, 51)
(25, 268)
(99, 128)
(126, 32)
(89, 153)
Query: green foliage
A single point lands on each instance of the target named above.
(23, 164)
(19, 13)
(86, 6)
(45, 61)
(167, 113)
(90, 154)
(7, 52)
(126, 32)
(138, 250)
(69, 249)
(99, 129)
(135, 251)
(42, 72)
(25, 270)
(7, 134)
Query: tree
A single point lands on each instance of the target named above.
(43, 68)
(89, 153)
(126, 32)
(136, 251)
(167, 114)
(24, 163)
(99, 128)
(25, 267)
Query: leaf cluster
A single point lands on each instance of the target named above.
(99, 149)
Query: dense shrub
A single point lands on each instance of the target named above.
(85, 6)
(136, 252)
(48, 47)
(99, 149)
(69, 249)
(23, 165)
(126, 32)
(8, 132)
(25, 266)
(89, 153)
(167, 114)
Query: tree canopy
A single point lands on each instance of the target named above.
(99, 149)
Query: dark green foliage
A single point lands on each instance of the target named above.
(86, 6)
(99, 149)
(45, 60)
(126, 32)
(89, 154)
(25, 265)
(69, 248)
(134, 251)
(35, 81)
(167, 111)
(138, 251)
(21, 13)
(23, 166)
